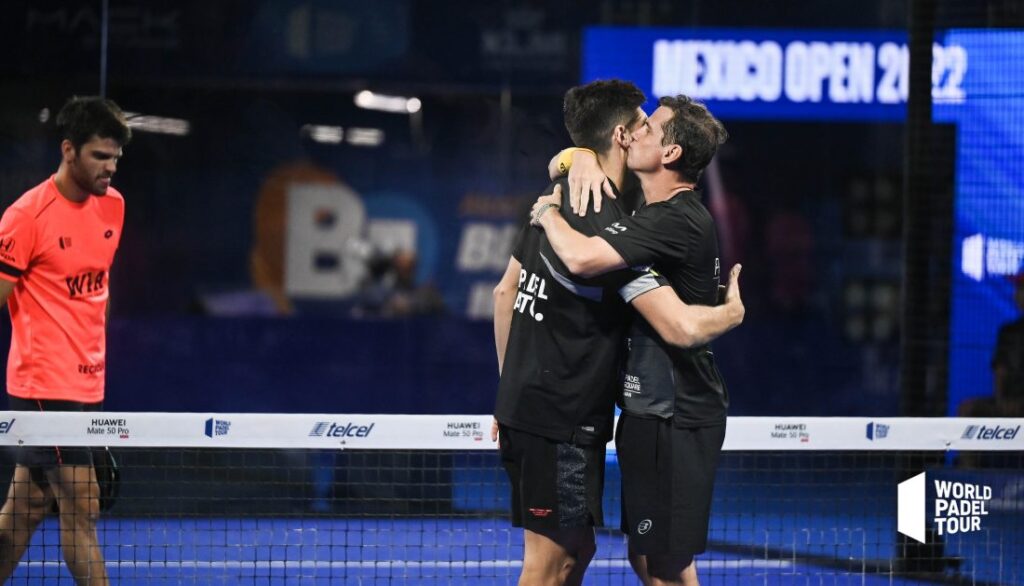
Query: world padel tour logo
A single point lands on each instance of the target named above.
(958, 507)
(877, 431)
(217, 427)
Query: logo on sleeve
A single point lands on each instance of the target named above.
(615, 228)
(6, 247)
(64, 242)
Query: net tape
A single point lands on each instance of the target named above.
(472, 432)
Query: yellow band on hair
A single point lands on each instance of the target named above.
(565, 158)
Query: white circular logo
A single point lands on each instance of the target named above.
(644, 526)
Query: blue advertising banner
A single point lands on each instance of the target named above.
(988, 246)
(763, 74)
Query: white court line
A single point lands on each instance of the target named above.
(386, 564)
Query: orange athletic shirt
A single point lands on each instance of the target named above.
(59, 254)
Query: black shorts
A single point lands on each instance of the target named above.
(555, 485)
(47, 457)
(668, 477)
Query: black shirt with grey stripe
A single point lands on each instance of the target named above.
(677, 238)
(565, 346)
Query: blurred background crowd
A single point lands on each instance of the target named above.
(321, 195)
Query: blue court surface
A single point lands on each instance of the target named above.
(435, 551)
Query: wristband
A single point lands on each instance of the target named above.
(565, 158)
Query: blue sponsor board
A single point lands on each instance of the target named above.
(773, 74)
(988, 235)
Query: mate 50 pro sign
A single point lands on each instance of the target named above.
(773, 74)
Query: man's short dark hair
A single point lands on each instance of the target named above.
(696, 130)
(593, 110)
(82, 118)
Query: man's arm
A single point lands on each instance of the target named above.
(584, 256)
(685, 325)
(6, 287)
(504, 302)
(504, 299)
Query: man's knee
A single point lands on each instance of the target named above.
(82, 512)
(586, 551)
(32, 509)
(37, 511)
(556, 554)
(669, 569)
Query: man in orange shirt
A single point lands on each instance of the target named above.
(57, 243)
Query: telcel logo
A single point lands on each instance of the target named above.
(330, 429)
(5, 426)
(982, 432)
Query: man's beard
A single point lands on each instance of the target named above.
(89, 185)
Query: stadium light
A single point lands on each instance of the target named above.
(324, 134)
(158, 124)
(368, 137)
(384, 103)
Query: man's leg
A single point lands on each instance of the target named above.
(556, 558)
(668, 570)
(639, 564)
(27, 504)
(78, 497)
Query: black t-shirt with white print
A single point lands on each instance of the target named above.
(677, 238)
(565, 346)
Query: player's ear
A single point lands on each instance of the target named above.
(621, 136)
(67, 150)
(671, 154)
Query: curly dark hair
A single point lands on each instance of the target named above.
(82, 118)
(593, 110)
(696, 131)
